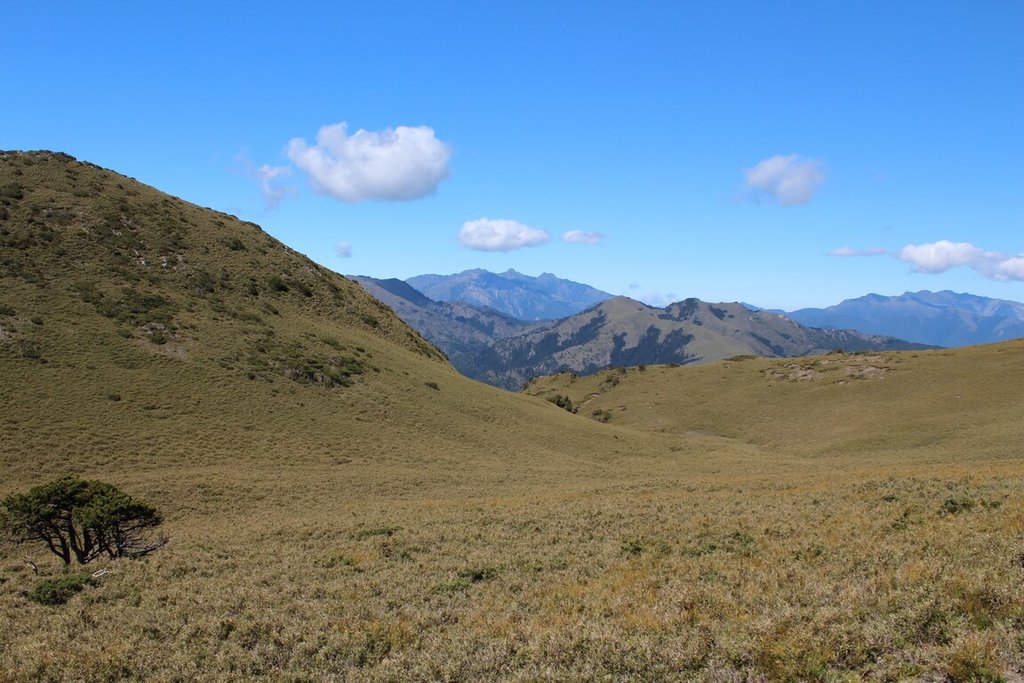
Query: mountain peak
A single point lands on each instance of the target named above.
(545, 297)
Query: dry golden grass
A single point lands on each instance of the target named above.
(717, 528)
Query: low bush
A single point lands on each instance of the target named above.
(59, 590)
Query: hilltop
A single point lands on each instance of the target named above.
(343, 505)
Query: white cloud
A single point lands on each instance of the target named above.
(395, 164)
(790, 180)
(850, 251)
(583, 237)
(488, 234)
(343, 250)
(938, 257)
(267, 177)
(272, 193)
(657, 299)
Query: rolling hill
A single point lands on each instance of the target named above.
(839, 403)
(343, 505)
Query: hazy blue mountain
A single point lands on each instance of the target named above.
(462, 331)
(545, 297)
(939, 318)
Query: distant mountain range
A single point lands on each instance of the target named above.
(462, 331)
(939, 318)
(524, 297)
(496, 348)
(622, 332)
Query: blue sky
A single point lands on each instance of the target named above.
(784, 154)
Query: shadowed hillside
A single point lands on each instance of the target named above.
(622, 332)
(462, 331)
(343, 505)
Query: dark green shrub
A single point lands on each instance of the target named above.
(59, 590)
(953, 506)
(563, 402)
(478, 574)
(633, 547)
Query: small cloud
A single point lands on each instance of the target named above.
(938, 257)
(657, 299)
(273, 193)
(583, 237)
(490, 234)
(343, 250)
(850, 251)
(268, 179)
(394, 164)
(633, 286)
(790, 180)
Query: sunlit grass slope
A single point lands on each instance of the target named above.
(342, 505)
(961, 404)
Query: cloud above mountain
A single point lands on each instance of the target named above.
(583, 237)
(343, 250)
(495, 234)
(940, 256)
(790, 180)
(394, 164)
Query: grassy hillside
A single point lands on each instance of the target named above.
(965, 403)
(342, 505)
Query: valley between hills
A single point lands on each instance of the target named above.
(343, 504)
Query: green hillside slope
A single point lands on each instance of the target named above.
(962, 404)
